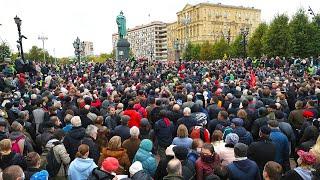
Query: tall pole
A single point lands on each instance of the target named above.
(18, 22)
(43, 38)
(244, 33)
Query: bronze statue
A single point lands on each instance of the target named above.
(121, 21)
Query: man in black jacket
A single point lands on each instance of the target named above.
(188, 168)
(262, 151)
(74, 137)
(90, 137)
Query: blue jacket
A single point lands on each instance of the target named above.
(193, 156)
(145, 156)
(282, 145)
(80, 169)
(245, 136)
(185, 142)
(243, 170)
(163, 133)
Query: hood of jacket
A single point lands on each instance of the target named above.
(240, 131)
(243, 165)
(118, 154)
(304, 173)
(146, 145)
(15, 134)
(51, 143)
(81, 165)
(77, 133)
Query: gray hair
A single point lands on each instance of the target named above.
(186, 111)
(91, 129)
(174, 167)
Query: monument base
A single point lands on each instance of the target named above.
(122, 50)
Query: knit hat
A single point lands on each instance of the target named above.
(76, 121)
(232, 138)
(134, 131)
(41, 175)
(240, 150)
(92, 116)
(307, 157)
(237, 121)
(169, 150)
(110, 164)
(180, 152)
(135, 167)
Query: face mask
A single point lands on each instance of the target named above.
(207, 158)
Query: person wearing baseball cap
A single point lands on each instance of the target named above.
(304, 170)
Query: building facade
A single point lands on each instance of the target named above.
(147, 41)
(88, 48)
(209, 22)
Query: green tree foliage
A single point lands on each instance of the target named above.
(206, 51)
(195, 51)
(236, 48)
(4, 51)
(220, 48)
(302, 34)
(277, 40)
(255, 46)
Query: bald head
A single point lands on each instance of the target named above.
(174, 167)
(176, 107)
(187, 111)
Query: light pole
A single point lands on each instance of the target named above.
(186, 21)
(78, 48)
(17, 20)
(43, 38)
(244, 33)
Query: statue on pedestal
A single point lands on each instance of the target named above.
(123, 46)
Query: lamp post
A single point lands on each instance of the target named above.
(244, 32)
(17, 20)
(176, 48)
(43, 38)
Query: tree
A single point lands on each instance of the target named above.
(220, 48)
(277, 40)
(195, 51)
(4, 51)
(255, 46)
(34, 54)
(302, 34)
(14, 56)
(236, 48)
(206, 51)
(315, 28)
(187, 55)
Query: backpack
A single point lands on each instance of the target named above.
(52, 166)
(15, 145)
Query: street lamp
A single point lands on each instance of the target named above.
(78, 48)
(17, 20)
(43, 38)
(244, 33)
(176, 48)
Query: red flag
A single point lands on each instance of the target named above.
(252, 79)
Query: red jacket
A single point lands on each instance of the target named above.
(141, 110)
(96, 103)
(135, 117)
(204, 169)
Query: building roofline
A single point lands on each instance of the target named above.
(153, 23)
(187, 6)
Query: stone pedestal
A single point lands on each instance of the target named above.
(122, 50)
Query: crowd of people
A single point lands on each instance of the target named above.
(237, 119)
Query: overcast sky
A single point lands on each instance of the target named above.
(63, 20)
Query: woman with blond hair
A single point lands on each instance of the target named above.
(182, 138)
(82, 166)
(316, 150)
(8, 158)
(115, 150)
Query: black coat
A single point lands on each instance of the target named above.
(94, 152)
(141, 175)
(30, 171)
(188, 170)
(257, 124)
(98, 174)
(261, 152)
(12, 159)
(73, 140)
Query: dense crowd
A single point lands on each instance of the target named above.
(237, 119)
